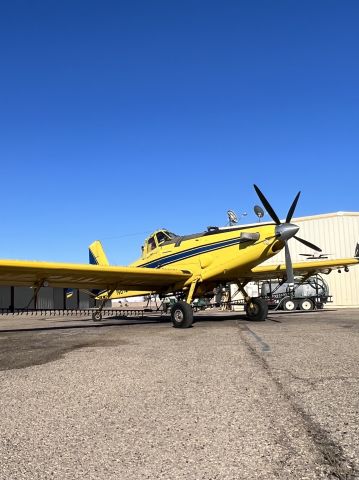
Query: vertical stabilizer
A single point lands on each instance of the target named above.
(97, 255)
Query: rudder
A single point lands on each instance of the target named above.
(97, 255)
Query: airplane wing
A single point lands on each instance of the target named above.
(31, 273)
(264, 272)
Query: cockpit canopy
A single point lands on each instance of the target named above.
(157, 239)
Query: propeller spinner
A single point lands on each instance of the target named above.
(285, 231)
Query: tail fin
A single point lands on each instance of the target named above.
(97, 255)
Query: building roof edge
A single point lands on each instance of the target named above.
(327, 215)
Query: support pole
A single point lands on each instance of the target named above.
(12, 299)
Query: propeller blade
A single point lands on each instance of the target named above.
(308, 244)
(288, 265)
(267, 205)
(292, 208)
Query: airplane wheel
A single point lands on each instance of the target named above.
(182, 315)
(97, 316)
(306, 304)
(257, 309)
(289, 305)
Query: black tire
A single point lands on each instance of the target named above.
(306, 305)
(257, 309)
(182, 315)
(97, 316)
(289, 304)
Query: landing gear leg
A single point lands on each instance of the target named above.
(256, 308)
(181, 312)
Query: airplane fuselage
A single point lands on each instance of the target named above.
(216, 256)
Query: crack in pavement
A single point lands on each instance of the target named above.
(315, 381)
(338, 465)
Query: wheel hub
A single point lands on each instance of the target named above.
(178, 315)
(253, 308)
(290, 305)
(306, 305)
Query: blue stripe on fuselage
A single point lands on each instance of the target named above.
(191, 253)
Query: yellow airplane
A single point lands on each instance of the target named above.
(186, 267)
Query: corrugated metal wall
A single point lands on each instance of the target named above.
(5, 297)
(23, 297)
(48, 298)
(336, 234)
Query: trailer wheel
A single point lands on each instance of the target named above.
(257, 309)
(306, 304)
(182, 315)
(289, 304)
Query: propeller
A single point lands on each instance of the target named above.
(288, 264)
(267, 205)
(285, 231)
(308, 244)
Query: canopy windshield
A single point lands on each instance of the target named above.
(158, 238)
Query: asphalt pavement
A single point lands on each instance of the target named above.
(226, 399)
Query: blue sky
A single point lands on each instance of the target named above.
(120, 117)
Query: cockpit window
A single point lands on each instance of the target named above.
(162, 237)
(151, 243)
(158, 238)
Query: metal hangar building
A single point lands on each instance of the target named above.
(337, 234)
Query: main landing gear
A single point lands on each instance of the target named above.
(256, 308)
(182, 315)
(181, 312)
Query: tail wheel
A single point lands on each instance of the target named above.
(97, 316)
(257, 309)
(289, 304)
(306, 304)
(182, 315)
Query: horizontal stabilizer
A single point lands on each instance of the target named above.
(117, 294)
